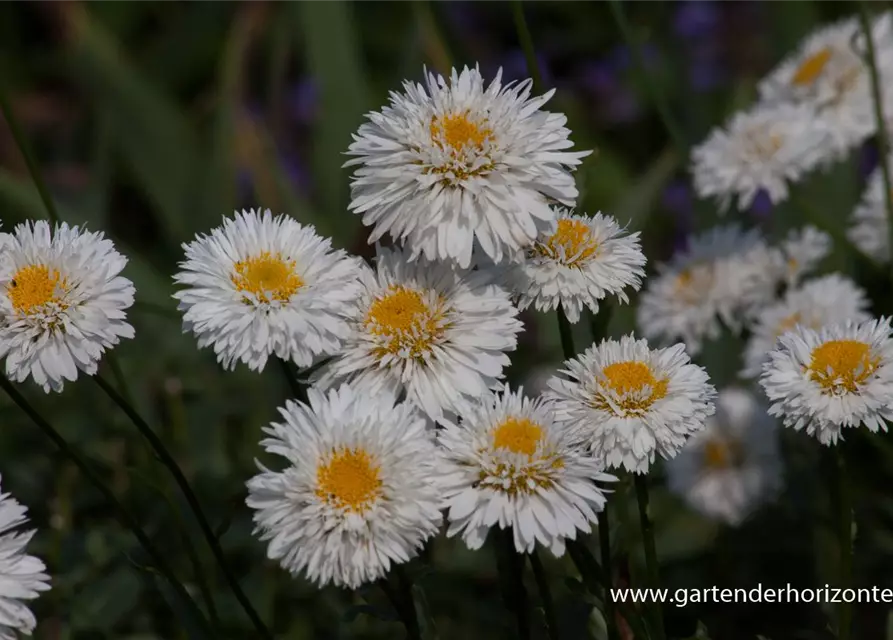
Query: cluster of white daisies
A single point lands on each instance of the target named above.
(408, 421)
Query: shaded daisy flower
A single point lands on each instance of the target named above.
(22, 577)
(734, 464)
(359, 492)
(723, 274)
(455, 161)
(828, 74)
(870, 230)
(261, 286)
(800, 253)
(831, 299)
(436, 333)
(840, 376)
(582, 262)
(509, 464)
(763, 149)
(629, 402)
(63, 302)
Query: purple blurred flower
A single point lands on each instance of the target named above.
(303, 100)
(677, 198)
(762, 206)
(514, 68)
(868, 159)
(696, 19)
(616, 101)
(706, 70)
(621, 59)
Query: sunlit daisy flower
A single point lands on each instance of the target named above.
(630, 402)
(456, 161)
(261, 286)
(582, 262)
(22, 577)
(831, 299)
(509, 464)
(359, 492)
(765, 149)
(436, 333)
(870, 231)
(828, 73)
(840, 376)
(733, 465)
(63, 302)
(720, 276)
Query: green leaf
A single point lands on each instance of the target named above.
(194, 627)
(151, 134)
(333, 56)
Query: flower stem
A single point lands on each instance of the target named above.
(845, 541)
(641, 482)
(122, 514)
(567, 336)
(882, 139)
(657, 96)
(526, 41)
(511, 572)
(294, 385)
(168, 461)
(19, 136)
(604, 540)
(402, 601)
(542, 585)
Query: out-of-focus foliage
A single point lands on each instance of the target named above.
(152, 120)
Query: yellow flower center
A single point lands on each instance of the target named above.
(405, 323)
(268, 277)
(693, 282)
(811, 68)
(350, 480)
(788, 323)
(720, 454)
(628, 380)
(35, 286)
(458, 132)
(518, 435)
(840, 365)
(762, 144)
(572, 243)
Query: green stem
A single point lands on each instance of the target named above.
(437, 49)
(405, 585)
(122, 514)
(657, 95)
(542, 585)
(604, 542)
(882, 140)
(845, 540)
(641, 482)
(19, 136)
(533, 67)
(511, 573)
(168, 461)
(567, 336)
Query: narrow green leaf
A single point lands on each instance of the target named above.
(333, 55)
(152, 135)
(640, 201)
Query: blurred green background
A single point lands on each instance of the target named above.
(151, 120)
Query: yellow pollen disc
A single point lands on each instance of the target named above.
(349, 480)
(811, 68)
(34, 286)
(518, 435)
(628, 380)
(572, 242)
(693, 282)
(842, 364)
(458, 132)
(268, 276)
(405, 322)
(788, 323)
(719, 454)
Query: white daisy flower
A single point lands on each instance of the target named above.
(64, 304)
(801, 252)
(840, 376)
(765, 148)
(359, 492)
(828, 74)
(870, 231)
(831, 299)
(734, 464)
(715, 281)
(262, 286)
(457, 161)
(510, 464)
(436, 333)
(22, 577)
(582, 262)
(629, 402)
